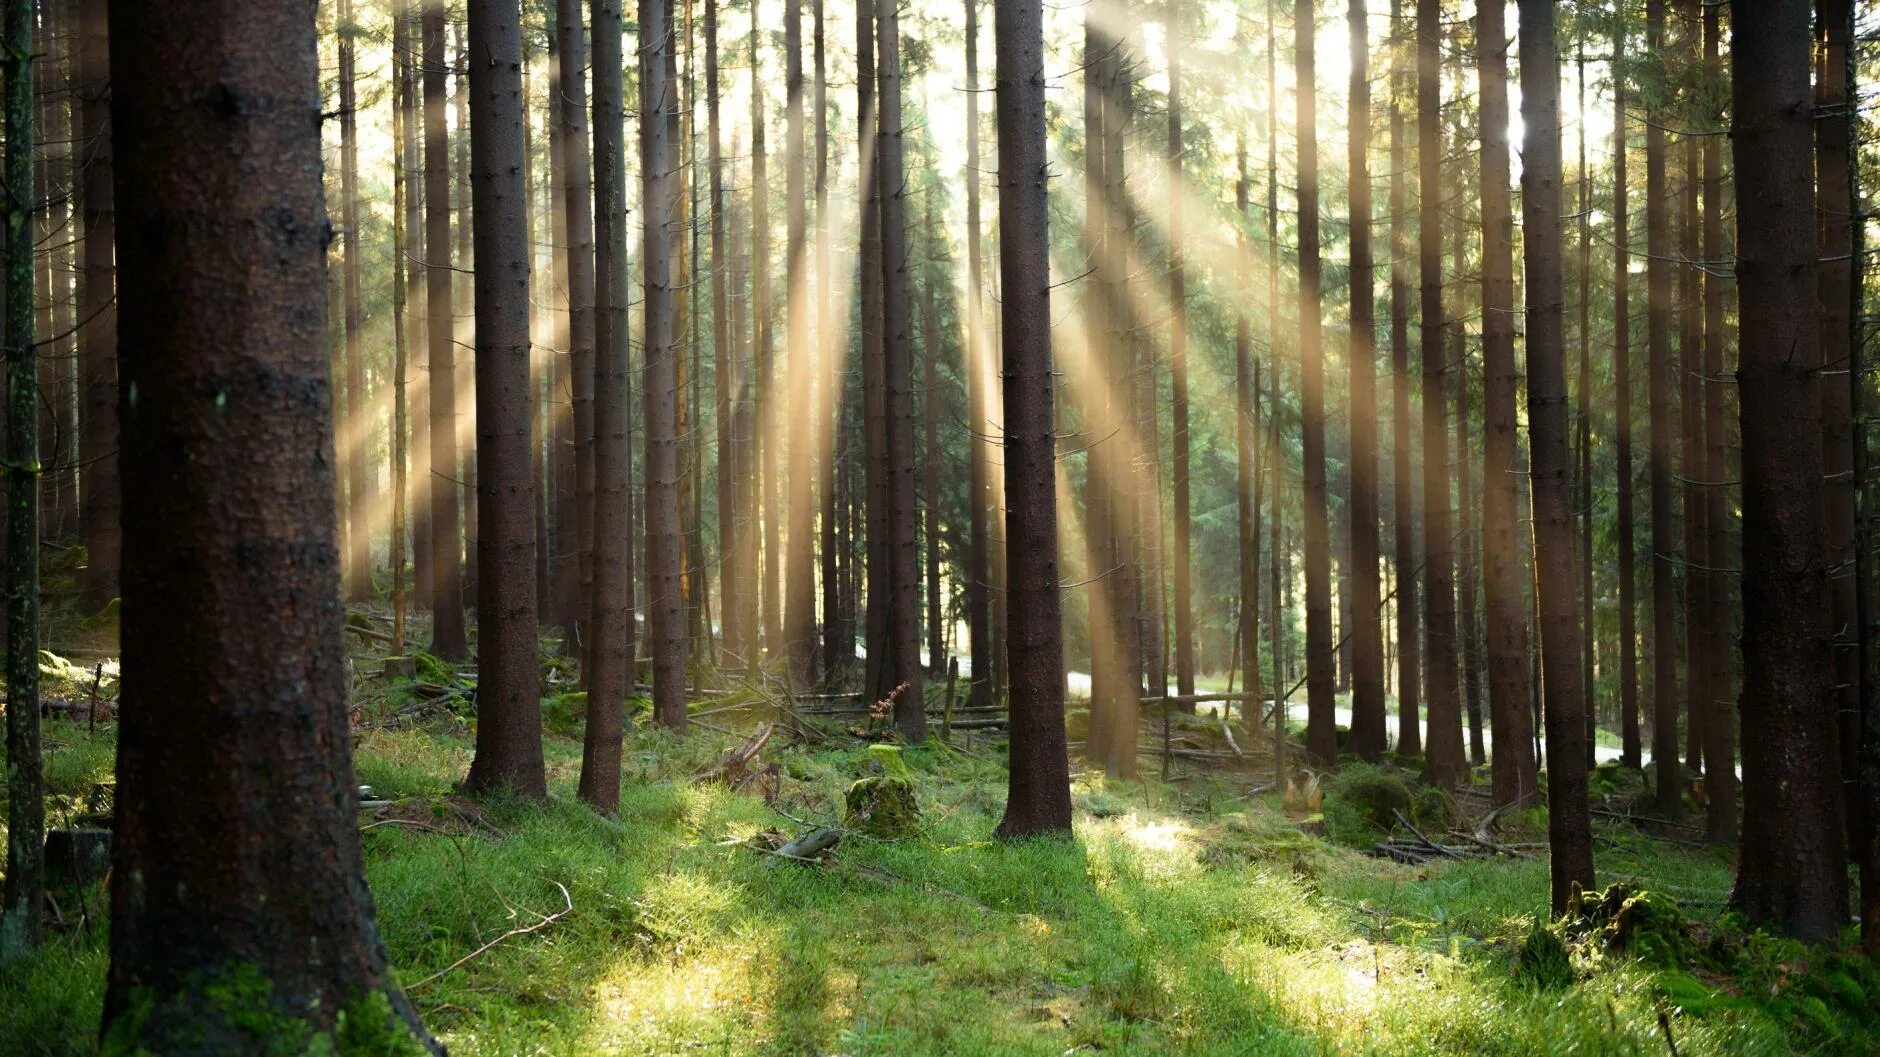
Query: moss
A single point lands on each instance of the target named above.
(882, 806)
(1643, 925)
(1361, 803)
(234, 1012)
(1543, 962)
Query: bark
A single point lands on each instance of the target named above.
(1697, 605)
(21, 928)
(97, 314)
(1583, 434)
(1669, 791)
(1569, 830)
(1632, 750)
(464, 306)
(731, 649)
(403, 280)
(976, 369)
(659, 195)
(1792, 872)
(1246, 470)
(354, 431)
(831, 425)
(1503, 600)
(1107, 650)
(447, 635)
(1321, 722)
(233, 755)
(1720, 728)
(800, 581)
(1444, 763)
(577, 202)
(765, 436)
(932, 396)
(1403, 509)
(1468, 526)
(903, 599)
(565, 594)
(876, 682)
(1038, 800)
(509, 686)
(1367, 634)
(610, 621)
(1178, 366)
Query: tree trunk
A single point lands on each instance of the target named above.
(832, 439)
(1669, 791)
(903, 601)
(932, 396)
(1503, 599)
(730, 642)
(1403, 508)
(509, 685)
(1321, 722)
(1368, 736)
(1583, 433)
(610, 621)
(233, 756)
(447, 634)
(1569, 830)
(800, 582)
(1632, 751)
(404, 213)
(977, 369)
(1178, 363)
(463, 303)
(1246, 469)
(876, 682)
(1444, 764)
(1720, 726)
(1038, 801)
(1792, 874)
(355, 429)
(97, 314)
(578, 206)
(1698, 607)
(659, 194)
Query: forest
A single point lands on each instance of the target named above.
(965, 527)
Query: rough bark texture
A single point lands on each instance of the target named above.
(97, 313)
(577, 203)
(610, 619)
(447, 628)
(1444, 763)
(1403, 505)
(730, 642)
(800, 569)
(1366, 632)
(233, 755)
(897, 361)
(1569, 830)
(1631, 751)
(353, 431)
(1321, 721)
(509, 684)
(659, 195)
(1246, 468)
(1039, 794)
(1792, 874)
(1504, 602)
(1669, 791)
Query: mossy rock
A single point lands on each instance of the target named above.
(882, 806)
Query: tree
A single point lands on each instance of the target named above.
(578, 206)
(1321, 721)
(1444, 762)
(1720, 727)
(1792, 873)
(404, 291)
(1669, 791)
(903, 515)
(659, 195)
(979, 499)
(877, 681)
(1569, 829)
(97, 313)
(21, 929)
(1403, 510)
(730, 642)
(1178, 366)
(1513, 775)
(1038, 799)
(1367, 634)
(233, 756)
(447, 626)
(1631, 752)
(353, 435)
(610, 619)
(800, 583)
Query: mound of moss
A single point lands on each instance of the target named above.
(1631, 922)
(883, 805)
(1362, 802)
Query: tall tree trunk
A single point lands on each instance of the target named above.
(1697, 605)
(903, 601)
(1720, 726)
(97, 314)
(1444, 763)
(1583, 432)
(577, 203)
(1632, 750)
(730, 642)
(447, 635)
(1569, 829)
(1468, 525)
(1368, 736)
(21, 928)
(659, 195)
(403, 226)
(976, 370)
(610, 621)
(354, 431)
(1246, 469)
(800, 583)
(1669, 791)
(767, 431)
(1101, 462)
(831, 432)
(464, 306)
(877, 680)
(566, 594)
(509, 685)
(1178, 364)
(1038, 800)
(1321, 722)
(233, 755)
(1403, 508)
(1792, 874)
(932, 396)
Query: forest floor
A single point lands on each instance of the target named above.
(1199, 915)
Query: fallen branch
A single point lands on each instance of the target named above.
(524, 930)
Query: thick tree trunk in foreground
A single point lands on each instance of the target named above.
(509, 681)
(447, 630)
(659, 196)
(610, 613)
(97, 314)
(1367, 633)
(1039, 795)
(1444, 763)
(233, 758)
(21, 928)
(1792, 874)
(1504, 603)
(1321, 722)
(1569, 829)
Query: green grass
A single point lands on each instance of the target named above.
(1182, 919)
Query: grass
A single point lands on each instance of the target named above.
(1183, 918)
